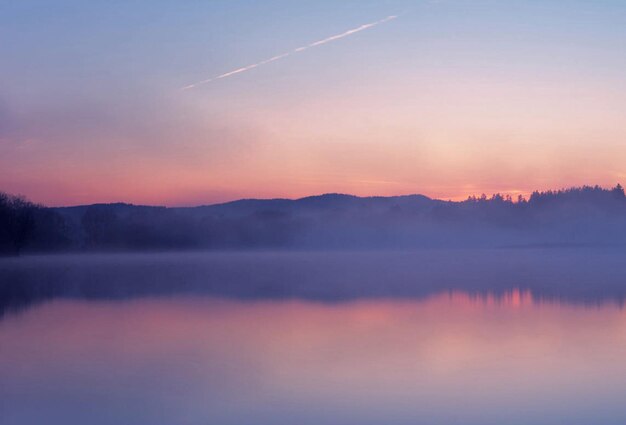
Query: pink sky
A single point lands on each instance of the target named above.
(448, 100)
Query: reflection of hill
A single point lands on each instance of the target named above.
(581, 276)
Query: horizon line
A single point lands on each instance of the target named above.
(525, 195)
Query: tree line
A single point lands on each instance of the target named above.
(588, 214)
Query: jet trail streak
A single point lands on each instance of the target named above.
(296, 50)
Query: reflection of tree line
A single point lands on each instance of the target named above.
(514, 297)
(511, 278)
(587, 215)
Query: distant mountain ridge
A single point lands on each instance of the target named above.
(312, 199)
(585, 216)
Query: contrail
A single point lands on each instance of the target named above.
(296, 50)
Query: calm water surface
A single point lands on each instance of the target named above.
(506, 337)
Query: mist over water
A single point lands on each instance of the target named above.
(512, 336)
(587, 276)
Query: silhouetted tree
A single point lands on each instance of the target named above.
(16, 223)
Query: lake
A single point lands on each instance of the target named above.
(509, 336)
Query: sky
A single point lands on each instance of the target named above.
(448, 99)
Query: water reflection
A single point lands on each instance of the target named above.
(584, 277)
(445, 359)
